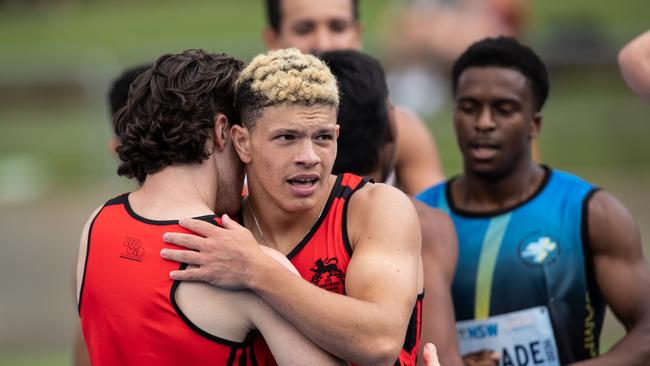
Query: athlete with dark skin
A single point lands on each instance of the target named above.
(495, 119)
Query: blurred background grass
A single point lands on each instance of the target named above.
(58, 58)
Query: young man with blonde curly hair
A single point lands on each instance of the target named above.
(174, 139)
(356, 244)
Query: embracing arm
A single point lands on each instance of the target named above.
(623, 277)
(288, 345)
(80, 352)
(634, 61)
(418, 164)
(439, 257)
(369, 325)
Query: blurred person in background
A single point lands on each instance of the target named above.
(538, 247)
(366, 147)
(428, 35)
(174, 139)
(118, 94)
(317, 26)
(358, 297)
(634, 61)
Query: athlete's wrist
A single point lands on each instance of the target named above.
(261, 272)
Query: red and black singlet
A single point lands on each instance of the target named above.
(127, 306)
(322, 257)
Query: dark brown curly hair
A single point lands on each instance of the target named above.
(171, 109)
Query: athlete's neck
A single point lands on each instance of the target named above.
(471, 192)
(276, 227)
(176, 192)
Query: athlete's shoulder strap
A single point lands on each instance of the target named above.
(351, 183)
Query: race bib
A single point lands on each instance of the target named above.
(523, 338)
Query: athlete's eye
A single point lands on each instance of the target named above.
(303, 28)
(339, 26)
(506, 109)
(285, 138)
(467, 107)
(325, 137)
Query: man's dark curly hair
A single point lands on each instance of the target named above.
(509, 53)
(274, 12)
(363, 110)
(170, 111)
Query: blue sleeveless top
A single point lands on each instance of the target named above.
(536, 253)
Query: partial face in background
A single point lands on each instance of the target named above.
(289, 154)
(316, 26)
(495, 120)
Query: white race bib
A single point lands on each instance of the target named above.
(523, 338)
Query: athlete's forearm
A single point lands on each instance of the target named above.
(354, 330)
(631, 350)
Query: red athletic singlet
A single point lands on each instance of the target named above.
(128, 312)
(322, 257)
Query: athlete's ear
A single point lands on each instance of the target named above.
(338, 130)
(271, 38)
(221, 134)
(535, 126)
(111, 145)
(241, 140)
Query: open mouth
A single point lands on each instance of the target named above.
(484, 151)
(303, 181)
(304, 184)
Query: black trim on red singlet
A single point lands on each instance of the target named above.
(412, 332)
(344, 228)
(114, 201)
(133, 214)
(212, 219)
(333, 194)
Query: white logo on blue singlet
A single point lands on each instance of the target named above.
(539, 251)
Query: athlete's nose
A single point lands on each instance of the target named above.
(323, 40)
(485, 121)
(307, 155)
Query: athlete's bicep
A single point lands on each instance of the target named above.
(83, 247)
(439, 257)
(622, 274)
(385, 235)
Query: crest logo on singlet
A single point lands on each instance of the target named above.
(539, 249)
(328, 275)
(132, 249)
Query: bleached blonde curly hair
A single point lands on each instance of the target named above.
(283, 77)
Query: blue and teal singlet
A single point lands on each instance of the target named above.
(534, 254)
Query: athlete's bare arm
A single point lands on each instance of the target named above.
(80, 355)
(418, 164)
(634, 61)
(369, 325)
(233, 314)
(288, 345)
(439, 256)
(623, 277)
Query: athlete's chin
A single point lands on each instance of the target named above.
(488, 172)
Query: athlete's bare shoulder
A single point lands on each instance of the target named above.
(375, 205)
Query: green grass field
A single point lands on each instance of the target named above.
(55, 169)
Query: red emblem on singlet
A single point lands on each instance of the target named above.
(328, 275)
(133, 249)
